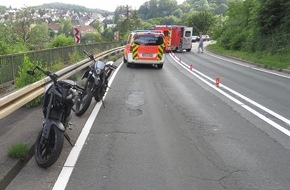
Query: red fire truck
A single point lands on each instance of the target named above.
(177, 38)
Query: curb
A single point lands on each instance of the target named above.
(10, 167)
(12, 173)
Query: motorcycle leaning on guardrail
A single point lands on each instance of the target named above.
(96, 83)
(57, 103)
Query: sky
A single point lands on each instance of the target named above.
(109, 5)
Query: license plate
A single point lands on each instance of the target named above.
(147, 55)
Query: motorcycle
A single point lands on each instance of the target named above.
(96, 83)
(57, 103)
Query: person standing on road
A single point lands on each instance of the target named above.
(200, 44)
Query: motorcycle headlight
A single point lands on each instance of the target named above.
(98, 71)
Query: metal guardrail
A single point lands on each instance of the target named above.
(11, 63)
(17, 99)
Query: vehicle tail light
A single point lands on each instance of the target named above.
(131, 48)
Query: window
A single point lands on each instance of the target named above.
(129, 39)
(148, 40)
(166, 33)
(187, 34)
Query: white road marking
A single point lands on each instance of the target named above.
(203, 78)
(72, 158)
(270, 72)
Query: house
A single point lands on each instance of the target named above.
(84, 29)
(109, 23)
(54, 26)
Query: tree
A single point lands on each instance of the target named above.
(221, 9)
(136, 19)
(166, 7)
(170, 20)
(66, 27)
(177, 13)
(149, 9)
(272, 25)
(270, 15)
(185, 7)
(38, 37)
(22, 24)
(41, 12)
(157, 8)
(98, 26)
(2, 9)
(117, 13)
(143, 11)
(109, 34)
(235, 28)
(10, 42)
(92, 38)
(202, 22)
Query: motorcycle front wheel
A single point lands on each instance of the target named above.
(47, 151)
(98, 96)
(101, 92)
(83, 102)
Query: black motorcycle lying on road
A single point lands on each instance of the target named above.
(96, 83)
(57, 103)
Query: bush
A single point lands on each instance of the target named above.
(238, 40)
(19, 150)
(74, 57)
(62, 41)
(25, 79)
(224, 40)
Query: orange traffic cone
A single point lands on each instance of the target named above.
(190, 67)
(217, 82)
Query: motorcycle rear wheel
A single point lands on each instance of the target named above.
(83, 102)
(47, 151)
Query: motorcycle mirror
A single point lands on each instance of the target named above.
(91, 57)
(30, 72)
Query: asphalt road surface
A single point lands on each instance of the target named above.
(173, 129)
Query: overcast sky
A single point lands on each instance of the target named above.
(108, 5)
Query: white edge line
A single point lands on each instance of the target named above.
(72, 158)
(252, 67)
(267, 120)
(229, 60)
(271, 72)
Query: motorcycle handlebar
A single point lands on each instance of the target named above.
(89, 55)
(53, 76)
(112, 66)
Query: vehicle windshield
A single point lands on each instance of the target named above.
(99, 65)
(148, 40)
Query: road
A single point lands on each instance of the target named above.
(173, 129)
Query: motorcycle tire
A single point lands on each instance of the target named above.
(98, 96)
(101, 92)
(48, 151)
(83, 103)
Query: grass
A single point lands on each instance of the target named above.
(18, 151)
(269, 61)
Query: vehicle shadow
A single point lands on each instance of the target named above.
(143, 66)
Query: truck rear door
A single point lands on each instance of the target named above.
(186, 41)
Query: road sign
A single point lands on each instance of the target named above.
(77, 35)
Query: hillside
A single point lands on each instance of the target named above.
(70, 7)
